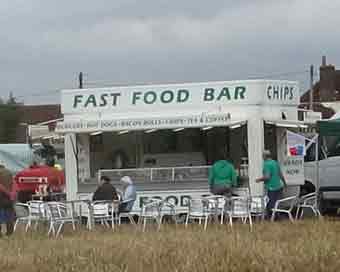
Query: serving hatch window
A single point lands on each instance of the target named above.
(164, 148)
(169, 141)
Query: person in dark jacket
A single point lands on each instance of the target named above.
(106, 191)
(7, 214)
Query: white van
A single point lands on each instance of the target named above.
(329, 173)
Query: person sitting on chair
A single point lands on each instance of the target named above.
(129, 195)
(105, 191)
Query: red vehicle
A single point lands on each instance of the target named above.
(38, 179)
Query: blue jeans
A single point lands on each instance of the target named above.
(273, 197)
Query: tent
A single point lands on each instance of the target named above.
(11, 162)
(330, 127)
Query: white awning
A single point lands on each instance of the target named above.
(290, 123)
(37, 132)
(148, 123)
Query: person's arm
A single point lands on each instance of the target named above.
(266, 175)
(283, 178)
(129, 194)
(4, 190)
(211, 176)
(233, 176)
(95, 195)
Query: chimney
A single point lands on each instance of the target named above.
(327, 81)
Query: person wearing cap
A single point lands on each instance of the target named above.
(7, 214)
(129, 195)
(273, 179)
(105, 191)
(222, 176)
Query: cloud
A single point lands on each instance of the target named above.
(46, 43)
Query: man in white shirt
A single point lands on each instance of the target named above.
(129, 195)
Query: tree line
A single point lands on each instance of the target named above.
(9, 119)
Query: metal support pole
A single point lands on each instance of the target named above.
(317, 169)
(311, 87)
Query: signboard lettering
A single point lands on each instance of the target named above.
(211, 94)
(103, 100)
(293, 170)
(150, 98)
(166, 122)
(280, 92)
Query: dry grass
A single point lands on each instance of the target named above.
(304, 246)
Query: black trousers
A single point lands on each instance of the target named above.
(273, 197)
(221, 189)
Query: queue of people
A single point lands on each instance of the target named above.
(223, 176)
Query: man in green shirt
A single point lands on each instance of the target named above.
(222, 176)
(273, 179)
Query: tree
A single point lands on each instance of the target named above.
(11, 99)
(9, 120)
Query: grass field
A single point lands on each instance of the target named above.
(304, 246)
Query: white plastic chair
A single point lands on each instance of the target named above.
(101, 213)
(216, 206)
(36, 214)
(169, 209)
(59, 214)
(285, 206)
(239, 207)
(22, 215)
(128, 215)
(258, 206)
(199, 209)
(151, 211)
(308, 201)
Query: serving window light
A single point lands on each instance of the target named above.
(96, 133)
(178, 129)
(150, 130)
(123, 132)
(207, 128)
(235, 126)
(287, 125)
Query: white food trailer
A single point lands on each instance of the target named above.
(166, 136)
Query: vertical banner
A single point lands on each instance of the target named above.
(83, 146)
(296, 145)
(293, 170)
(292, 163)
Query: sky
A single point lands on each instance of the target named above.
(46, 43)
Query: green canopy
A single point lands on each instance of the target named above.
(329, 127)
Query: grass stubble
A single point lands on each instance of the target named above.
(309, 245)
